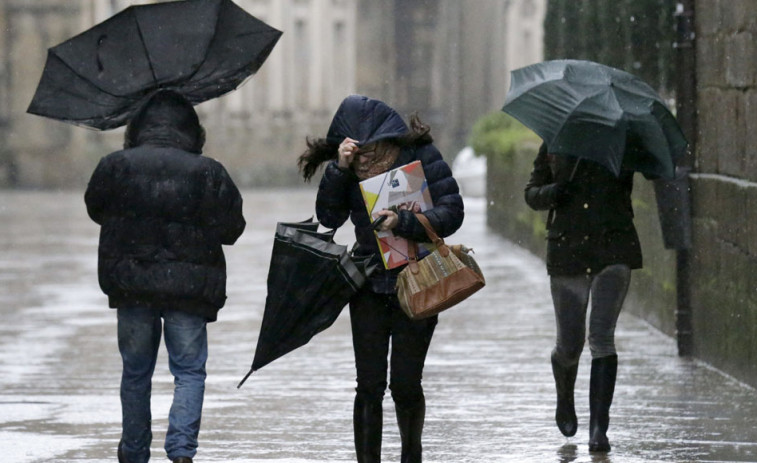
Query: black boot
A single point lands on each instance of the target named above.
(601, 389)
(368, 421)
(410, 421)
(565, 380)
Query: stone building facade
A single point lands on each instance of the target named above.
(256, 130)
(447, 59)
(450, 60)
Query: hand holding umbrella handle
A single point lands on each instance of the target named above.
(564, 190)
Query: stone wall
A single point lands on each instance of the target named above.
(724, 187)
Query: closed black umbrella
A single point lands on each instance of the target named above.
(599, 113)
(310, 280)
(199, 48)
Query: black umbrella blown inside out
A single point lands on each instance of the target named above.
(199, 48)
(310, 280)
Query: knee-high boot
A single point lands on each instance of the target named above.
(565, 381)
(604, 371)
(410, 421)
(368, 422)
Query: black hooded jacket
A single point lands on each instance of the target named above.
(339, 197)
(164, 210)
(592, 226)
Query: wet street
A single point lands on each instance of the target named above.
(488, 381)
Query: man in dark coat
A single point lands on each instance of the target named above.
(164, 210)
(367, 138)
(592, 246)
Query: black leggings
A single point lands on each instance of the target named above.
(571, 294)
(375, 319)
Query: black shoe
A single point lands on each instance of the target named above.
(410, 421)
(368, 421)
(182, 460)
(601, 390)
(565, 380)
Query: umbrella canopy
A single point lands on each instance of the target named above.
(199, 48)
(310, 280)
(599, 113)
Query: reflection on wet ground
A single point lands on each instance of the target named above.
(487, 380)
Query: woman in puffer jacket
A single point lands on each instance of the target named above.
(367, 138)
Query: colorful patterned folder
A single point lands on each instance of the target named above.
(402, 188)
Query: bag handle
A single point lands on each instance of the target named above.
(412, 246)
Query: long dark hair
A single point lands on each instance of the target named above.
(320, 150)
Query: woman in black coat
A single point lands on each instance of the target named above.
(367, 138)
(592, 246)
(165, 211)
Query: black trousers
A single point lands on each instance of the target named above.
(376, 319)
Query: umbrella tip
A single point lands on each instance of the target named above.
(245, 378)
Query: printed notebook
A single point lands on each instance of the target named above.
(402, 188)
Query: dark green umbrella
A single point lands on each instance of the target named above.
(599, 113)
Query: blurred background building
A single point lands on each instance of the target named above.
(447, 59)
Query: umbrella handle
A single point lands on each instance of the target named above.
(245, 378)
(575, 168)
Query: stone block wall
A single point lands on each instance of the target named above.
(724, 188)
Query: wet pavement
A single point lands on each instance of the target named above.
(487, 380)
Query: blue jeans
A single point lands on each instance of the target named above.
(139, 332)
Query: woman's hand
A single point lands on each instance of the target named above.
(347, 150)
(392, 219)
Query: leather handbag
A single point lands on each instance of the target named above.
(442, 279)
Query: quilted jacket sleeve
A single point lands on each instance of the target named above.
(227, 219)
(541, 191)
(448, 212)
(332, 205)
(98, 194)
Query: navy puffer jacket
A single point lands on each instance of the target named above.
(339, 196)
(164, 213)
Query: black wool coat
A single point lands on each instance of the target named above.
(592, 227)
(164, 214)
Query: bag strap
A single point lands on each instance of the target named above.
(412, 246)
